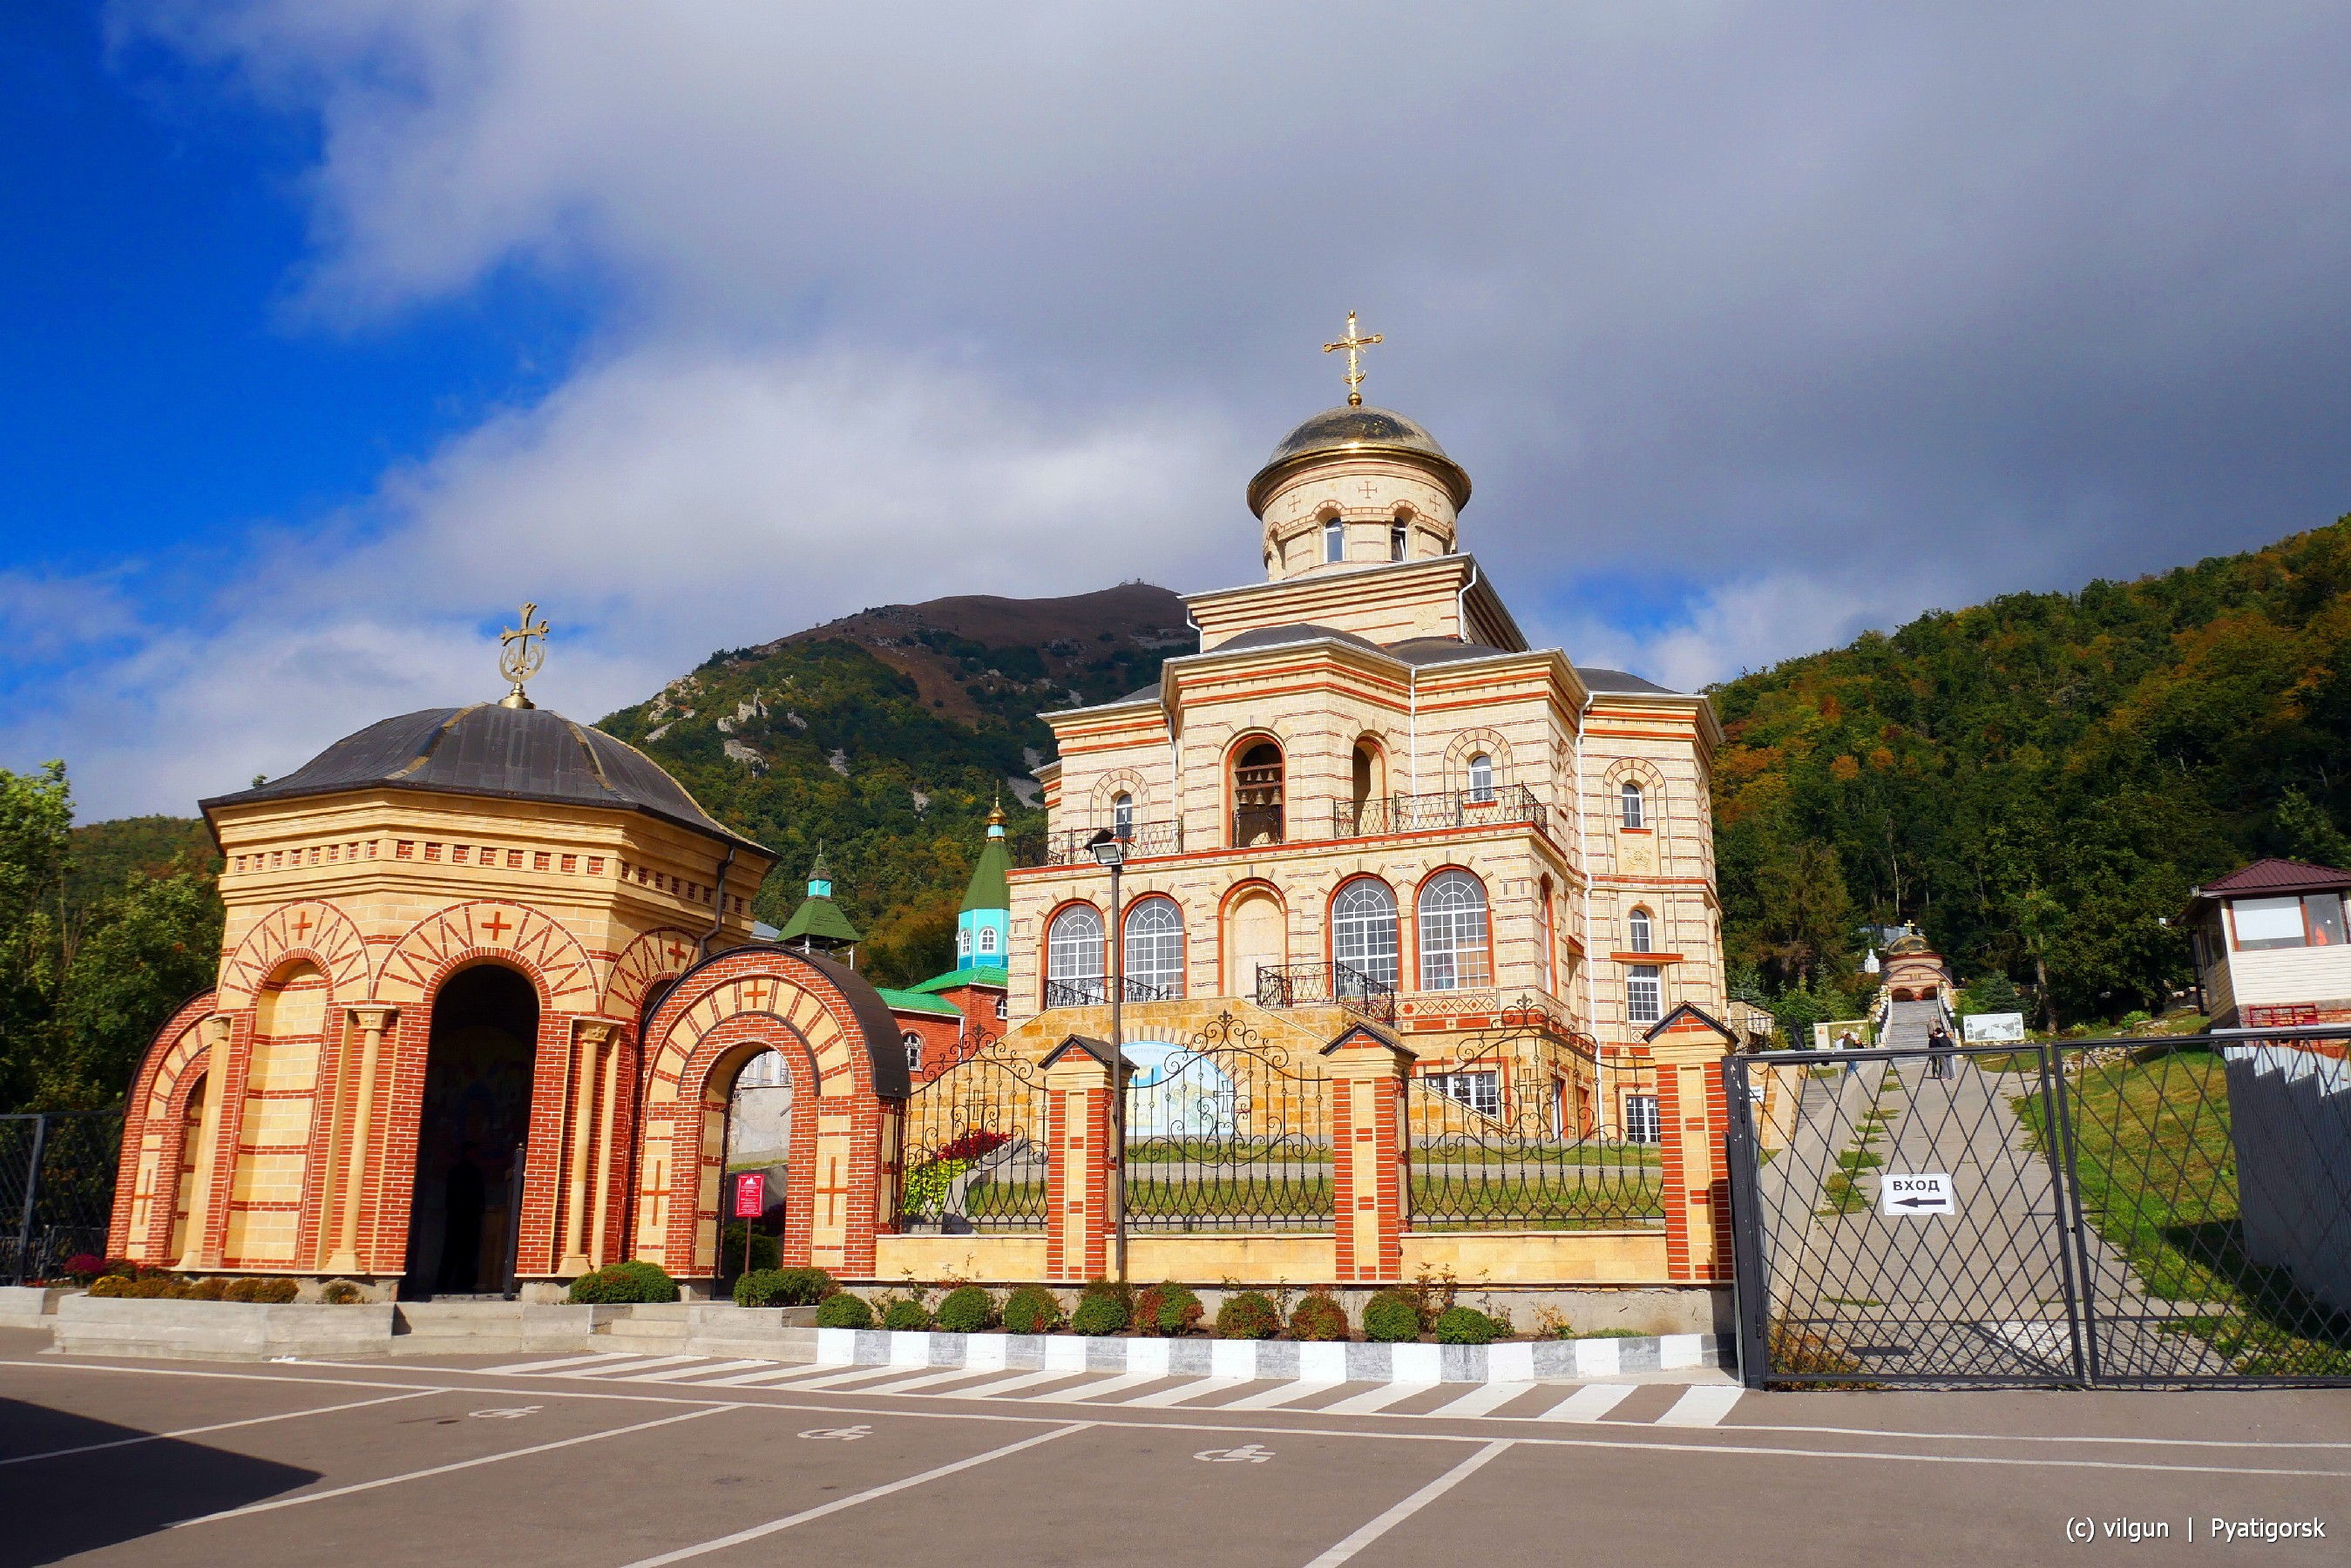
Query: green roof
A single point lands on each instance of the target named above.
(990, 889)
(820, 919)
(914, 1002)
(979, 975)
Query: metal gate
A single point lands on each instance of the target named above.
(2121, 1213)
(56, 1188)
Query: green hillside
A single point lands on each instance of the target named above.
(2039, 780)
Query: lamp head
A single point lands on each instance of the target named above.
(1108, 851)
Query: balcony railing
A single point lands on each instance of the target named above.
(1256, 825)
(1067, 848)
(1325, 986)
(1093, 991)
(1504, 805)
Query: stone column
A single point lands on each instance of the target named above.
(1696, 1176)
(1076, 1161)
(1370, 1167)
(602, 1185)
(216, 1031)
(371, 1023)
(588, 1048)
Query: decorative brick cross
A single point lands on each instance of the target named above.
(497, 925)
(756, 993)
(302, 924)
(676, 953)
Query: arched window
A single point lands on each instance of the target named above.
(1363, 930)
(987, 941)
(1481, 777)
(1334, 539)
(1630, 795)
(914, 1045)
(1453, 948)
(1155, 951)
(1073, 958)
(1399, 538)
(1121, 816)
(963, 942)
(1637, 932)
(1257, 795)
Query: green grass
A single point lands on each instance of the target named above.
(2158, 1183)
(1557, 1200)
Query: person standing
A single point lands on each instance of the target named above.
(1941, 1049)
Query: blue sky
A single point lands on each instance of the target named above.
(336, 328)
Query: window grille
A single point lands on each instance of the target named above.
(1641, 1118)
(1363, 930)
(1154, 946)
(1643, 994)
(1453, 947)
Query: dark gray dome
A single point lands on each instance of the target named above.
(1357, 427)
(516, 753)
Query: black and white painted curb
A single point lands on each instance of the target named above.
(1310, 1361)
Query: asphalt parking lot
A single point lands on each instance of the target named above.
(606, 1460)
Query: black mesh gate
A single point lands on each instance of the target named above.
(2132, 1213)
(56, 1188)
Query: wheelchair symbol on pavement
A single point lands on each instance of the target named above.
(837, 1434)
(1247, 1454)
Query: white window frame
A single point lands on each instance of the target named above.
(1642, 1124)
(2274, 922)
(1335, 541)
(1645, 994)
(1074, 950)
(1121, 816)
(1365, 934)
(963, 942)
(1399, 540)
(1456, 952)
(1154, 956)
(986, 947)
(1633, 803)
(914, 1045)
(1477, 1088)
(1640, 934)
(1482, 779)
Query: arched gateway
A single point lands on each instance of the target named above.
(487, 974)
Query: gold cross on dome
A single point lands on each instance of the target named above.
(1354, 343)
(519, 658)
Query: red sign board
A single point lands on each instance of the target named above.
(750, 1195)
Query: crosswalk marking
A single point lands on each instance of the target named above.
(1589, 1403)
(1183, 1393)
(562, 1362)
(1102, 1390)
(1484, 1397)
(1283, 1393)
(1377, 1398)
(1704, 1405)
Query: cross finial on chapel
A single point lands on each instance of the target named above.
(519, 658)
(1354, 343)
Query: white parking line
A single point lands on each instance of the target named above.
(1200, 1389)
(444, 1469)
(837, 1379)
(1589, 1403)
(1009, 1385)
(216, 1426)
(1378, 1397)
(927, 1380)
(677, 1373)
(1281, 1394)
(642, 1363)
(562, 1362)
(1102, 1390)
(1479, 1400)
(759, 1530)
(1701, 1406)
(774, 1377)
(1408, 1507)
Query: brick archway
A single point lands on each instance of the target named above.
(154, 1129)
(846, 1110)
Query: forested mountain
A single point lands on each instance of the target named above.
(2036, 781)
(2039, 780)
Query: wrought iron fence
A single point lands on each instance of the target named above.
(1503, 1127)
(976, 1146)
(2125, 1212)
(1323, 985)
(1505, 804)
(56, 1188)
(1093, 991)
(1068, 847)
(1256, 825)
(1223, 1134)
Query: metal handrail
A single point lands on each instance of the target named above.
(1503, 806)
(1323, 985)
(1068, 845)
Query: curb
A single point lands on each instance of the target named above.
(1333, 1362)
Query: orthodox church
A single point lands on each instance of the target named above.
(490, 982)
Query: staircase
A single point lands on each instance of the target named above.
(1909, 1023)
(678, 1328)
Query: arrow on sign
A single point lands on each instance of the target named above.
(1919, 1202)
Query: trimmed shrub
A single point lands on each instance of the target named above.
(1392, 1317)
(270, 1292)
(1032, 1309)
(632, 1280)
(783, 1287)
(1318, 1316)
(341, 1292)
(1248, 1315)
(1099, 1313)
(210, 1290)
(1465, 1326)
(967, 1308)
(109, 1285)
(766, 1252)
(84, 1267)
(843, 1310)
(906, 1315)
(1167, 1310)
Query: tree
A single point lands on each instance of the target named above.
(36, 823)
(2308, 833)
(1807, 915)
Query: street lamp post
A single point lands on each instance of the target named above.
(1110, 852)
